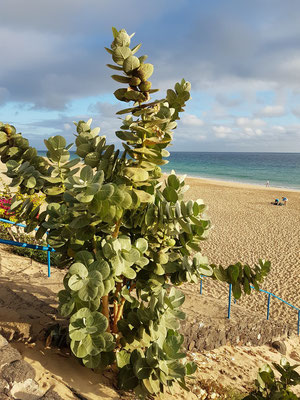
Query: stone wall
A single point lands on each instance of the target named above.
(205, 333)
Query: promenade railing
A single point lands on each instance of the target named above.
(270, 295)
(28, 245)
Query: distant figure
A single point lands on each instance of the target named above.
(267, 183)
(284, 199)
(276, 202)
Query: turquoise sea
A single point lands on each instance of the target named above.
(280, 169)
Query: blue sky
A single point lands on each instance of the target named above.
(242, 58)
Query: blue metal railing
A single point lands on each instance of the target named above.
(268, 305)
(28, 245)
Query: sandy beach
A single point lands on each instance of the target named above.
(245, 227)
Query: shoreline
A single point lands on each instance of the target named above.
(204, 180)
(241, 185)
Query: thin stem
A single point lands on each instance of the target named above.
(105, 310)
(118, 289)
(117, 228)
(61, 176)
(118, 311)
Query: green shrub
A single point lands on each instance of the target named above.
(37, 255)
(268, 387)
(130, 238)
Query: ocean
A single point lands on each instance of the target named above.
(280, 169)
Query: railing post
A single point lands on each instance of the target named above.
(49, 261)
(200, 286)
(298, 327)
(268, 309)
(229, 301)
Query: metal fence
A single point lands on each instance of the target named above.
(49, 250)
(268, 304)
(28, 245)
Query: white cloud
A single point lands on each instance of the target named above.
(222, 132)
(272, 111)
(278, 128)
(191, 120)
(250, 122)
(250, 132)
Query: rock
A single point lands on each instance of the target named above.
(295, 356)
(28, 390)
(4, 397)
(279, 346)
(18, 371)
(3, 341)
(8, 354)
(51, 395)
(191, 345)
(3, 385)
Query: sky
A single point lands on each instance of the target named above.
(242, 58)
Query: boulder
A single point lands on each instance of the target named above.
(27, 390)
(51, 395)
(295, 356)
(279, 346)
(18, 371)
(8, 354)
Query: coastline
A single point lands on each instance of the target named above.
(228, 183)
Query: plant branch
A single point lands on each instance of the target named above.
(118, 289)
(117, 228)
(105, 310)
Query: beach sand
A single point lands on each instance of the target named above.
(245, 227)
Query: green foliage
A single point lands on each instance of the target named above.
(37, 255)
(128, 236)
(270, 388)
(242, 276)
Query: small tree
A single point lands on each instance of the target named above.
(131, 239)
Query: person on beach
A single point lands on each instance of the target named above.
(267, 183)
(284, 199)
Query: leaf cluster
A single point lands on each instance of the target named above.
(241, 277)
(271, 388)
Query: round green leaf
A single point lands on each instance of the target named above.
(105, 192)
(102, 266)
(120, 54)
(30, 182)
(131, 63)
(136, 174)
(141, 244)
(88, 292)
(100, 321)
(79, 269)
(75, 282)
(131, 256)
(84, 257)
